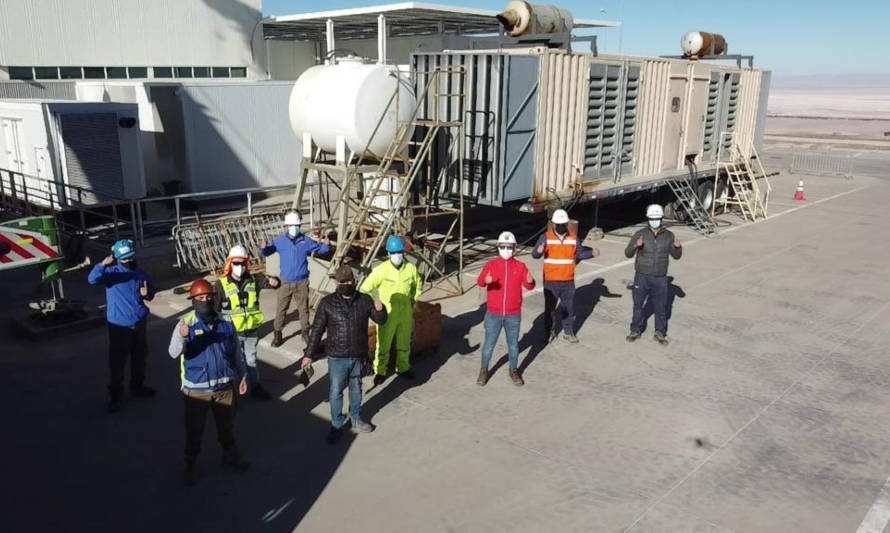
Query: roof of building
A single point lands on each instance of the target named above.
(402, 19)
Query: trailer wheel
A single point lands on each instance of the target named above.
(706, 195)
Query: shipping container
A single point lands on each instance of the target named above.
(93, 148)
(546, 125)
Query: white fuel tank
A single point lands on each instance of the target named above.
(348, 99)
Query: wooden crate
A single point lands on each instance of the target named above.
(427, 330)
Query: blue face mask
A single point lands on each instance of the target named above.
(293, 231)
(655, 223)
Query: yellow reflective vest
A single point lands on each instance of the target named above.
(245, 317)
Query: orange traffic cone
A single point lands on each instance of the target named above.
(798, 195)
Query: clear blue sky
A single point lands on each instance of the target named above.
(790, 37)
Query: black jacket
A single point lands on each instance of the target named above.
(652, 258)
(346, 323)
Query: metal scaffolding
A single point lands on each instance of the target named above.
(362, 201)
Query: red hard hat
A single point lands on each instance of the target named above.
(199, 286)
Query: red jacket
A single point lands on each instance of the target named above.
(505, 291)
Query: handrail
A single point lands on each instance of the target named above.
(17, 188)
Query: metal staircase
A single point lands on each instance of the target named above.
(697, 216)
(387, 201)
(743, 189)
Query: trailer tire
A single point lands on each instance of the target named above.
(706, 194)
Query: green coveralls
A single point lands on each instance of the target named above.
(398, 289)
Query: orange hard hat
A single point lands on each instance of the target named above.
(199, 286)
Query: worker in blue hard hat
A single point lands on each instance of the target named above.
(398, 286)
(127, 288)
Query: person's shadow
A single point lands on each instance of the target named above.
(454, 342)
(587, 297)
(674, 292)
(535, 340)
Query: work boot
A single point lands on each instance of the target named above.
(232, 459)
(551, 337)
(141, 391)
(634, 335)
(190, 475)
(661, 338)
(277, 340)
(259, 393)
(570, 337)
(517, 379)
(379, 379)
(114, 404)
(483, 377)
(334, 435)
(408, 374)
(361, 426)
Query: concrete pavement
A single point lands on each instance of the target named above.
(765, 413)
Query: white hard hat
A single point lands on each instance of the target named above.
(292, 219)
(239, 251)
(506, 238)
(654, 211)
(560, 217)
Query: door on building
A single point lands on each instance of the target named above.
(13, 135)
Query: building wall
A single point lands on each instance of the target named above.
(131, 33)
(238, 135)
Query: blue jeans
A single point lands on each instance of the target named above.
(344, 371)
(493, 325)
(653, 289)
(248, 341)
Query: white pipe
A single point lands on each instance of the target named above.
(381, 39)
(329, 36)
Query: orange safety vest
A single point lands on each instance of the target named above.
(559, 259)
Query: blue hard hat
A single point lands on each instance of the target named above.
(394, 245)
(123, 249)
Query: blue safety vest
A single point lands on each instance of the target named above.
(208, 358)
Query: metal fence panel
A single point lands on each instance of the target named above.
(204, 245)
(822, 164)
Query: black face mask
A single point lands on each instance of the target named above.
(130, 264)
(562, 229)
(205, 310)
(346, 290)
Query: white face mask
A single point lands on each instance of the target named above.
(506, 253)
(655, 224)
(293, 231)
(396, 259)
(238, 271)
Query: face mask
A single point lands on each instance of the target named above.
(238, 271)
(204, 310)
(293, 231)
(506, 253)
(346, 290)
(562, 229)
(129, 264)
(396, 259)
(655, 224)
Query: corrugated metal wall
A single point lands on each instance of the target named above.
(760, 126)
(559, 153)
(55, 90)
(129, 32)
(653, 108)
(239, 135)
(749, 99)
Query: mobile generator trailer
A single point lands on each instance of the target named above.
(547, 126)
